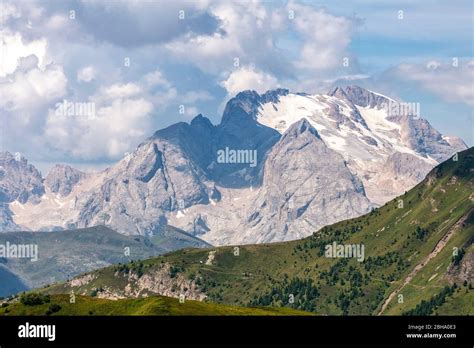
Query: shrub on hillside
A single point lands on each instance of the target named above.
(34, 299)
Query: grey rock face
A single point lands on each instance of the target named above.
(19, 180)
(426, 140)
(359, 96)
(299, 193)
(162, 175)
(240, 131)
(199, 225)
(405, 165)
(62, 179)
(400, 171)
(6, 219)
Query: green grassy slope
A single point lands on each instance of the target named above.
(158, 305)
(397, 239)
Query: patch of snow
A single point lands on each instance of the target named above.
(16, 204)
(382, 95)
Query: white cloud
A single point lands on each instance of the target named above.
(156, 78)
(136, 23)
(451, 83)
(86, 74)
(122, 119)
(243, 33)
(118, 90)
(163, 98)
(302, 54)
(115, 129)
(7, 11)
(25, 96)
(57, 22)
(13, 47)
(32, 89)
(325, 37)
(191, 111)
(249, 33)
(194, 96)
(249, 78)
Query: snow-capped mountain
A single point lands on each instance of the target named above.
(397, 150)
(278, 167)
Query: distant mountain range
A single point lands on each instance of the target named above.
(278, 167)
(63, 255)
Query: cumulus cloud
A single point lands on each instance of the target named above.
(249, 32)
(30, 89)
(325, 37)
(136, 23)
(249, 78)
(86, 74)
(123, 116)
(8, 10)
(451, 82)
(235, 42)
(216, 45)
(191, 111)
(14, 47)
(156, 78)
(57, 22)
(118, 90)
(113, 130)
(194, 96)
(25, 96)
(244, 33)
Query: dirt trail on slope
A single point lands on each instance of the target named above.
(437, 249)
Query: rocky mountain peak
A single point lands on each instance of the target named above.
(362, 97)
(299, 128)
(273, 96)
(247, 103)
(201, 122)
(62, 179)
(299, 192)
(338, 92)
(242, 107)
(18, 179)
(173, 131)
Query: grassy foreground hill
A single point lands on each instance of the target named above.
(418, 260)
(157, 305)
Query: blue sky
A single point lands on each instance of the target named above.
(186, 53)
